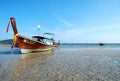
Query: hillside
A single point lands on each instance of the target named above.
(7, 41)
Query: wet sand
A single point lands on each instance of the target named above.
(66, 65)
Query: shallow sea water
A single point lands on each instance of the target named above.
(67, 63)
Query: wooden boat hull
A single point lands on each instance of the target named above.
(28, 45)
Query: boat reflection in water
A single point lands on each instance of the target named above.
(36, 54)
(29, 61)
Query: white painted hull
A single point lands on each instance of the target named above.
(34, 50)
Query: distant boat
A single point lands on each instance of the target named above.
(37, 43)
(101, 44)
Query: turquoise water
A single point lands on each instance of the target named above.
(6, 52)
(90, 46)
(71, 46)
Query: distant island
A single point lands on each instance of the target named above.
(6, 41)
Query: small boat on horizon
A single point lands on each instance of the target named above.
(101, 44)
(37, 43)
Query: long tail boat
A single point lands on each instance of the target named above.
(37, 43)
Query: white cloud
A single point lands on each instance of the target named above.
(63, 21)
(105, 30)
(105, 33)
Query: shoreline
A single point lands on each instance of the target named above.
(5, 44)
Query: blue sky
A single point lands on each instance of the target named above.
(70, 20)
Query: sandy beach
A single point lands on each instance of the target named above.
(65, 65)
